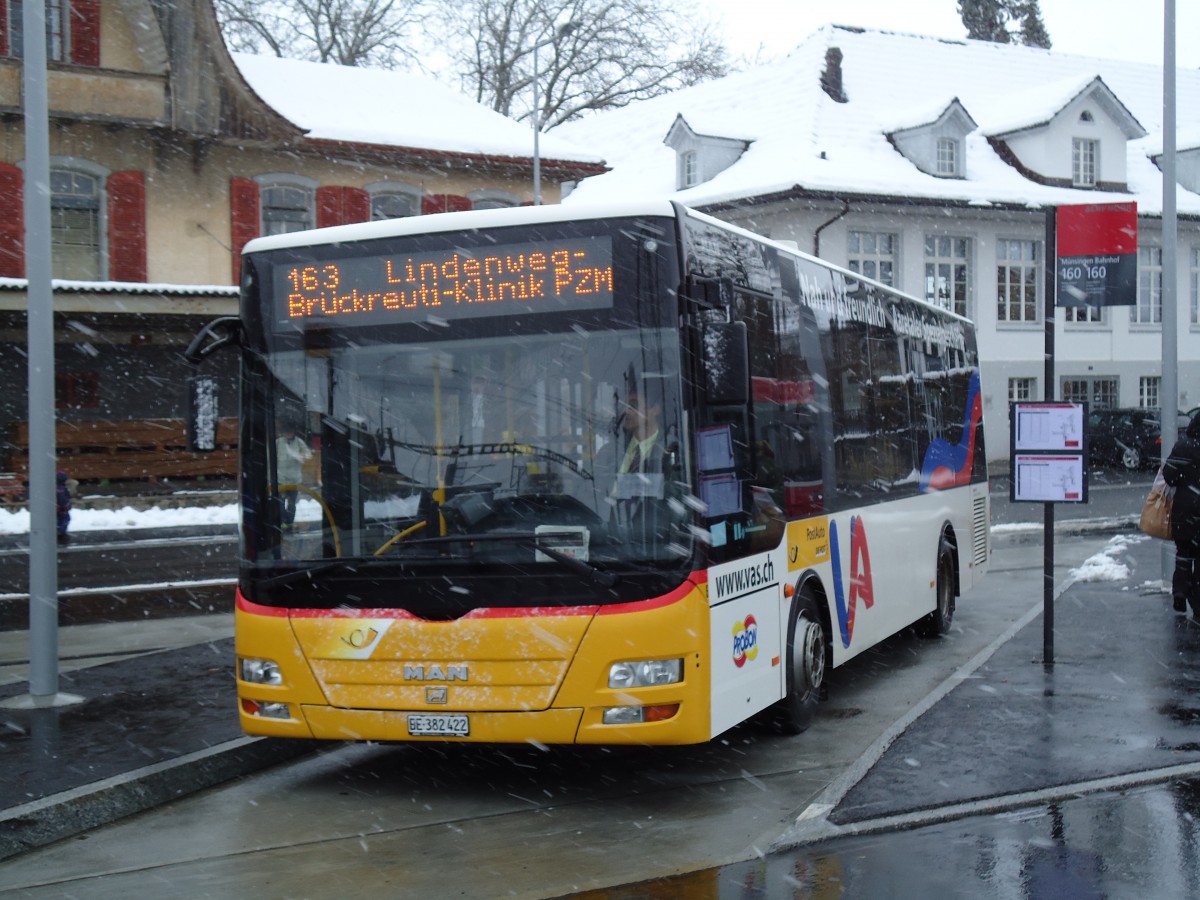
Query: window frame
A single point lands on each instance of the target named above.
(1003, 299)
(493, 198)
(58, 29)
(1022, 389)
(1150, 389)
(938, 260)
(858, 257)
(947, 157)
(1150, 275)
(1194, 278)
(689, 168)
(1085, 162)
(288, 182)
(385, 189)
(98, 173)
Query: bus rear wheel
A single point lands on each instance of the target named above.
(807, 662)
(938, 622)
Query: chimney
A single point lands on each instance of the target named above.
(831, 78)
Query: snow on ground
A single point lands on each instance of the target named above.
(1105, 566)
(17, 521)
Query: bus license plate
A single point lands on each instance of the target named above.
(427, 725)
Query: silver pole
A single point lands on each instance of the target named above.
(43, 561)
(1170, 244)
(537, 128)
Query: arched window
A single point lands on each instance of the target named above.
(286, 203)
(393, 200)
(493, 199)
(76, 230)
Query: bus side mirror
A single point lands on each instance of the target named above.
(726, 364)
(202, 413)
(212, 337)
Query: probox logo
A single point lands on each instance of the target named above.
(745, 641)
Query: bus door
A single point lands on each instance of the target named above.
(747, 566)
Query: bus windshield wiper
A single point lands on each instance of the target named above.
(598, 576)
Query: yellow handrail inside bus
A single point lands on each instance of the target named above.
(401, 536)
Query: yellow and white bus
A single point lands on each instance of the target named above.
(567, 475)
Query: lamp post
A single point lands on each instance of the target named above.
(560, 32)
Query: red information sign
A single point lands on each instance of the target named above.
(1097, 254)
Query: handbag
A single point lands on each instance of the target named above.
(1156, 511)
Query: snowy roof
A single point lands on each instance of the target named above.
(62, 285)
(805, 141)
(392, 109)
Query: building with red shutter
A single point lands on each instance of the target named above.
(168, 153)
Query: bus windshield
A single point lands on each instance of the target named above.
(543, 450)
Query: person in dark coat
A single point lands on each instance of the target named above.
(62, 503)
(1182, 472)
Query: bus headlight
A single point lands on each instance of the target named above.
(645, 673)
(261, 671)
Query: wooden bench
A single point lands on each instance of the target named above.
(134, 449)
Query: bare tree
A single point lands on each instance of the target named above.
(591, 54)
(349, 32)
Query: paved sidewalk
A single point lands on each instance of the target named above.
(154, 726)
(1118, 707)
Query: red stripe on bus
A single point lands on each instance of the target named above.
(516, 612)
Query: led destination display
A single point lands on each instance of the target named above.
(501, 280)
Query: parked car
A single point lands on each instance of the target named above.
(1131, 438)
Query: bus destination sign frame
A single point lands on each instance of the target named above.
(531, 277)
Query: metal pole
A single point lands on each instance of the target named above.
(43, 561)
(1048, 392)
(1169, 398)
(537, 159)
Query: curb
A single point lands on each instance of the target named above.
(41, 822)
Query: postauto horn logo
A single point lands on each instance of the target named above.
(745, 641)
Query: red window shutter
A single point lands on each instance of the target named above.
(4, 32)
(12, 223)
(85, 32)
(329, 206)
(356, 206)
(438, 203)
(127, 226)
(244, 218)
(341, 206)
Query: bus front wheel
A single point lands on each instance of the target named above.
(807, 664)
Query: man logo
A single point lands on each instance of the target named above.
(437, 695)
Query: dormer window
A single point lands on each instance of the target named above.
(947, 156)
(689, 168)
(700, 157)
(933, 140)
(1085, 157)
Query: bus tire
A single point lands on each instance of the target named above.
(937, 623)
(807, 664)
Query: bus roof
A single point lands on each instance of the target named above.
(459, 221)
(534, 215)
